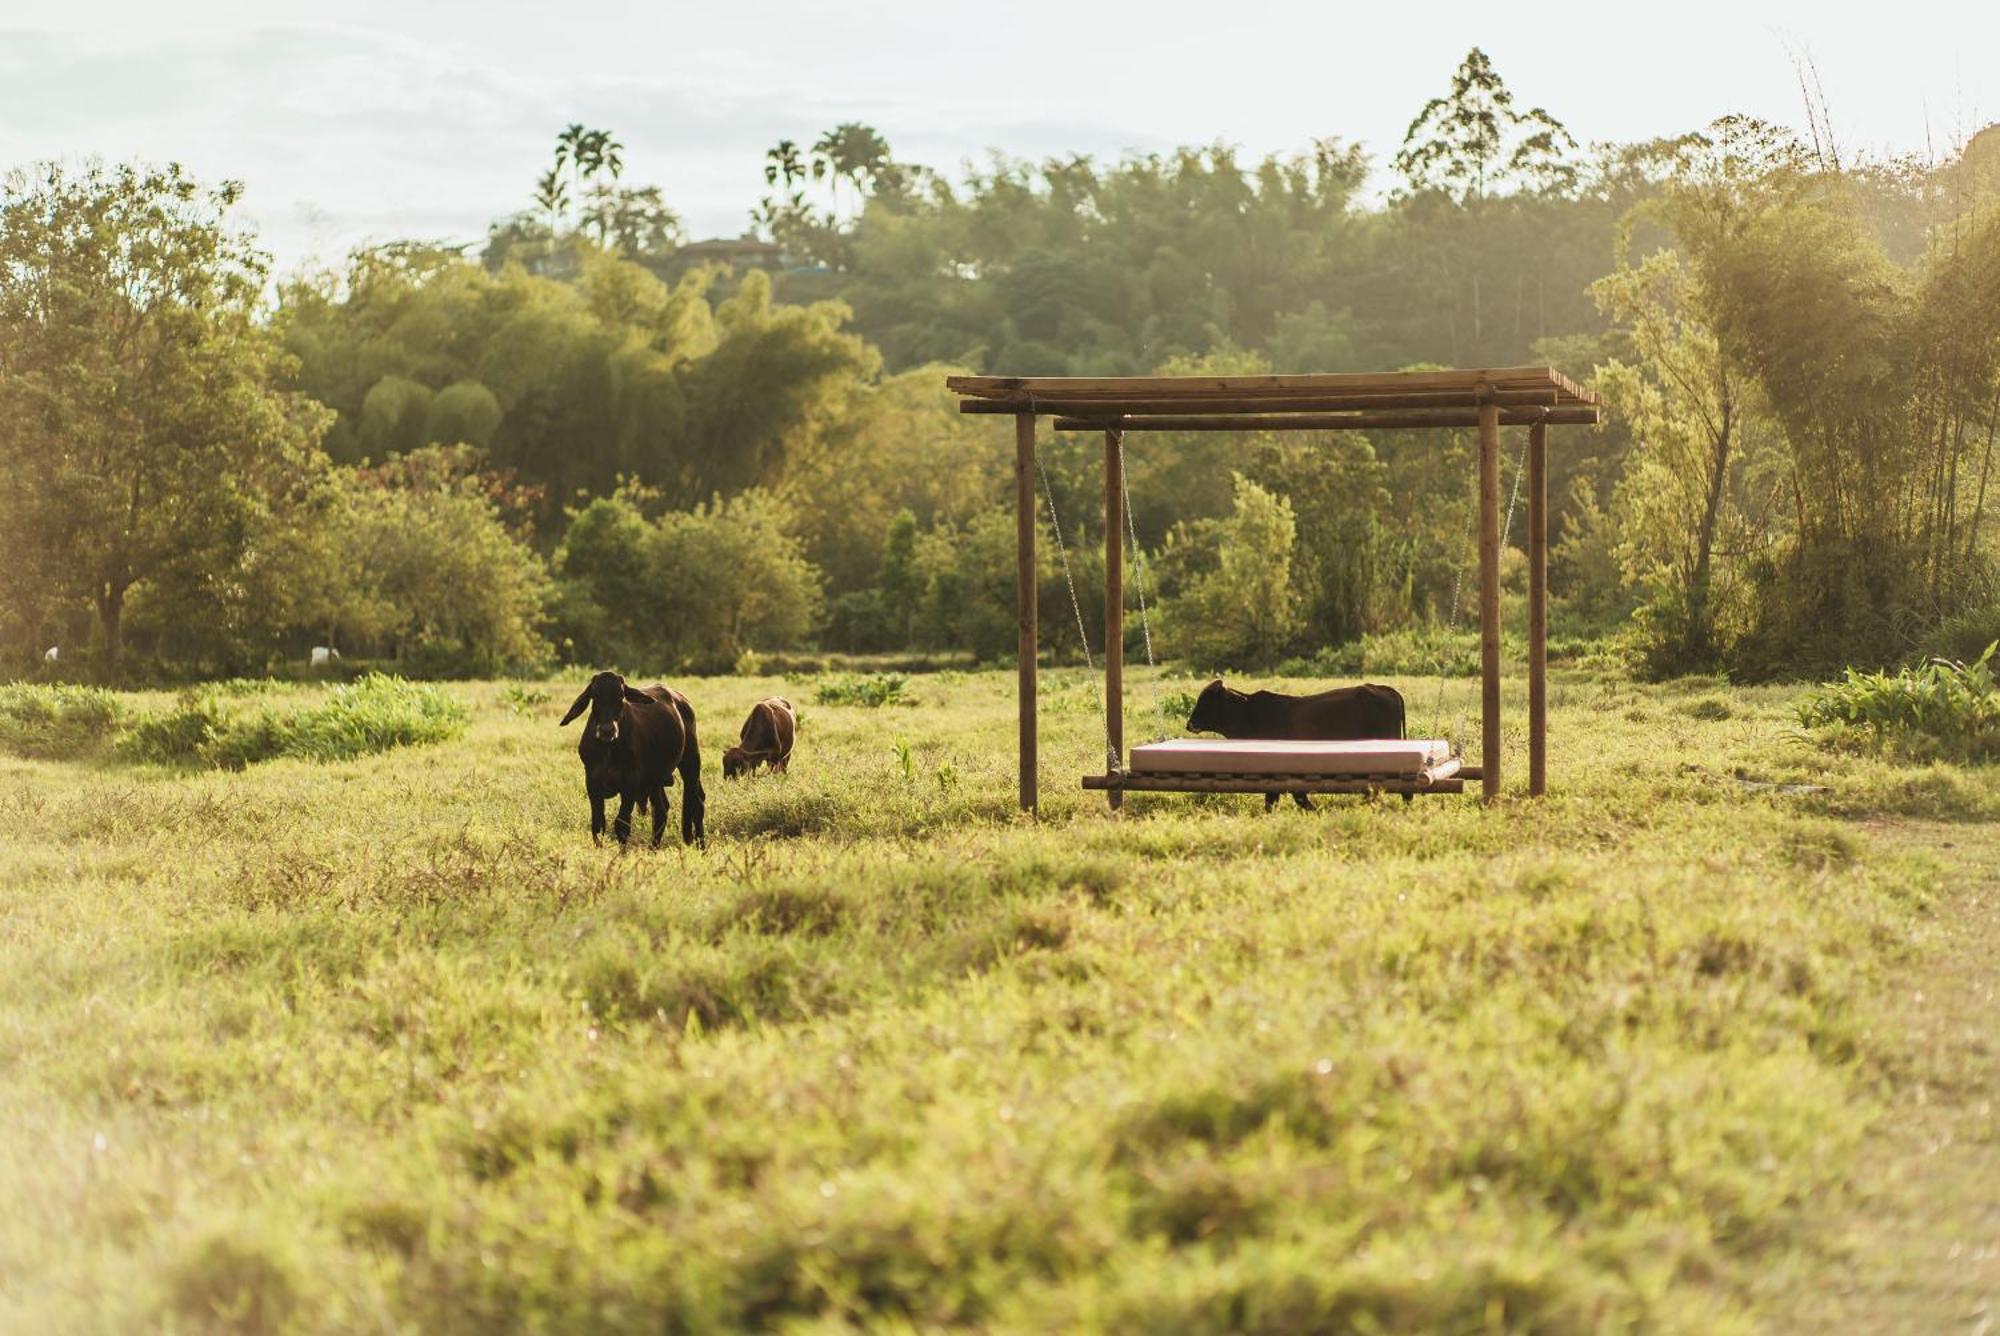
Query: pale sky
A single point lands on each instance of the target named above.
(362, 120)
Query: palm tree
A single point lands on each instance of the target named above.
(606, 154)
(852, 152)
(783, 165)
(552, 194)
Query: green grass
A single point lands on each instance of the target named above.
(387, 1044)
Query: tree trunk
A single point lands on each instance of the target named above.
(111, 621)
(1699, 640)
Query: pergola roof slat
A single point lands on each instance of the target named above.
(1261, 403)
(1466, 388)
(1232, 421)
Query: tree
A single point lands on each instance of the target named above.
(633, 221)
(586, 153)
(1472, 140)
(142, 430)
(784, 168)
(1243, 609)
(1694, 417)
(1334, 484)
(850, 152)
(552, 196)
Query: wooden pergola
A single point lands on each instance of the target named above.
(1536, 398)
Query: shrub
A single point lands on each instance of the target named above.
(873, 691)
(55, 721)
(1941, 706)
(523, 700)
(180, 736)
(374, 714)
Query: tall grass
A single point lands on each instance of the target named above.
(414, 1055)
(373, 714)
(56, 721)
(1942, 707)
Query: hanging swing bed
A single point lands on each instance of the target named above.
(1536, 398)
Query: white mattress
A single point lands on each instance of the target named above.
(1246, 756)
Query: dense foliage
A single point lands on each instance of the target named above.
(592, 444)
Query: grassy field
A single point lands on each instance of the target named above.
(386, 1045)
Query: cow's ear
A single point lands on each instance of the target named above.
(582, 700)
(1216, 685)
(638, 697)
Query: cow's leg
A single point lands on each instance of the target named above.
(621, 826)
(1270, 801)
(596, 820)
(1304, 800)
(659, 814)
(694, 803)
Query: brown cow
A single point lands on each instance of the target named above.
(766, 740)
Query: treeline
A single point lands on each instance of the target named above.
(583, 446)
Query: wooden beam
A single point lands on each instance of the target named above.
(1467, 400)
(1465, 418)
(1114, 609)
(1538, 610)
(1026, 595)
(1489, 602)
(1156, 783)
(1342, 382)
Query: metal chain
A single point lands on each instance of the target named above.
(1055, 523)
(1139, 569)
(1458, 573)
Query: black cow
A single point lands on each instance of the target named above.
(1340, 715)
(634, 742)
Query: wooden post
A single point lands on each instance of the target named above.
(1489, 600)
(1538, 609)
(1114, 612)
(1026, 593)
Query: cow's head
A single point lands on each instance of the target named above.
(605, 698)
(734, 762)
(1214, 709)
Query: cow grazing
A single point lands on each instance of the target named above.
(766, 739)
(1341, 715)
(631, 746)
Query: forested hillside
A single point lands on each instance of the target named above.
(588, 441)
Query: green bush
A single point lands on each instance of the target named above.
(873, 691)
(371, 715)
(1943, 707)
(55, 720)
(183, 735)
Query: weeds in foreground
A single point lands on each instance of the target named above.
(871, 692)
(373, 714)
(56, 721)
(1942, 707)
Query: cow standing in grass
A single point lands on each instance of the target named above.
(766, 739)
(1344, 714)
(632, 744)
